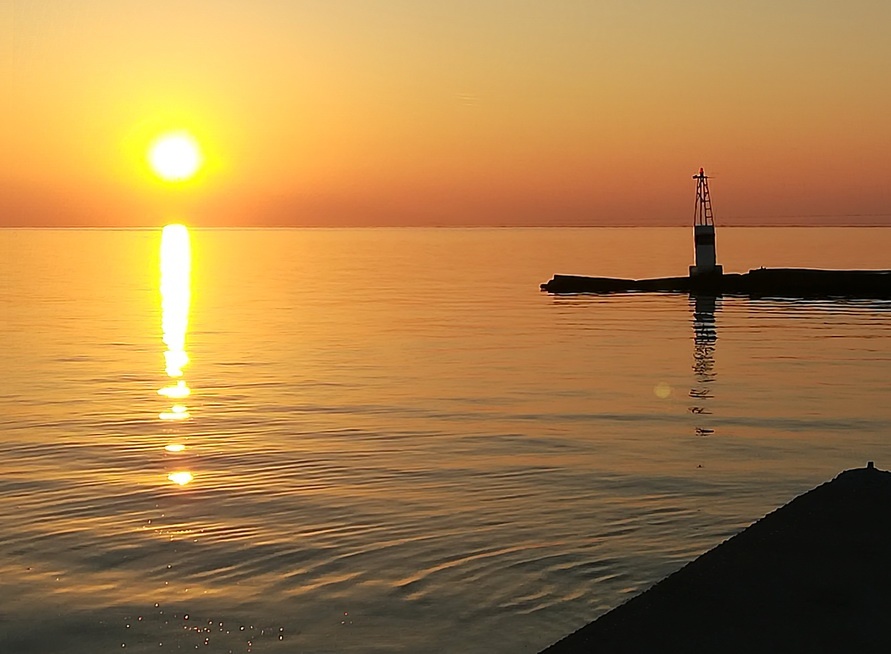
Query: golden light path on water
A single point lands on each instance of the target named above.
(176, 267)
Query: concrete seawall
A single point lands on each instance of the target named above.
(813, 576)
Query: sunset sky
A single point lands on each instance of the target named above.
(466, 112)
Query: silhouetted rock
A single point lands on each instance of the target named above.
(813, 576)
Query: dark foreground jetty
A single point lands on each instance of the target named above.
(758, 283)
(813, 576)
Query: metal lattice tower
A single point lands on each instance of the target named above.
(702, 211)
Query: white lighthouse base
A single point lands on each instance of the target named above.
(711, 270)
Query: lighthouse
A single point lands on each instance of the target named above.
(704, 231)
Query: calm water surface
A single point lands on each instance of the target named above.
(394, 442)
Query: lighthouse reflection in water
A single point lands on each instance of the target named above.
(705, 336)
(175, 286)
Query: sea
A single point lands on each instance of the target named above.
(391, 440)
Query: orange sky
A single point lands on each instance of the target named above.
(468, 112)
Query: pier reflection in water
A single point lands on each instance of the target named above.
(175, 287)
(705, 336)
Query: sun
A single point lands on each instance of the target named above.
(175, 156)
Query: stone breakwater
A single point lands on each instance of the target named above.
(761, 282)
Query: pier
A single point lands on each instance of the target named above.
(758, 283)
(812, 576)
(707, 278)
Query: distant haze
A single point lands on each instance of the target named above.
(413, 112)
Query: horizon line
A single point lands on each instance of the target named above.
(449, 226)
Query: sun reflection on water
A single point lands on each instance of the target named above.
(176, 265)
(177, 412)
(181, 477)
(178, 391)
